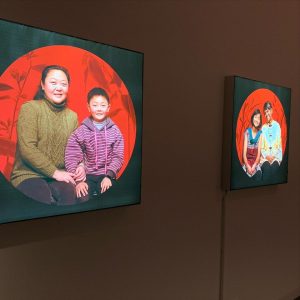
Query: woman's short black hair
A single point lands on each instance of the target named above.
(97, 92)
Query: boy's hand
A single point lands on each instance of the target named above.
(81, 189)
(79, 174)
(105, 184)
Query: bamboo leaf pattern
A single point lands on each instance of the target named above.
(5, 87)
(117, 80)
(115, 112)
(95, 70)
(7, 147)
(22, 77)
(21, 81)
(85, 59)
(38, 68)
(6, 97)
(31, 55)
(4, 125)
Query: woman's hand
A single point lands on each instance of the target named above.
(61, 175)
(81, 189)
(105, 184)
(80, 174)
(249, 170)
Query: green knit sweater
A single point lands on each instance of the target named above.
(43, 131)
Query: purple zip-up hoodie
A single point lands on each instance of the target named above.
(101, 151)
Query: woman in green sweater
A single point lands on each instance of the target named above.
(44, 126)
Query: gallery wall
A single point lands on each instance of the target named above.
(188, 239)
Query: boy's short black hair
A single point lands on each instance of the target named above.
(97, 92)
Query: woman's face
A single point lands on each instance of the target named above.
(56, 86)
(256, 121)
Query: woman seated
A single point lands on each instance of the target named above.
(43, 128)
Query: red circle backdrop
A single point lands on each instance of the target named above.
(255, 101)
(20, 81)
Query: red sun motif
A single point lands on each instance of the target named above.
(255, 101)
(20, 81)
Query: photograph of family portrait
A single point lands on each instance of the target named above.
(70, 124)
(261, 113)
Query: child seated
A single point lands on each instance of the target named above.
(98, 144)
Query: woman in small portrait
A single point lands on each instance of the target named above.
(43, 128)
(252, 147)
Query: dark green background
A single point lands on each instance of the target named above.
(243, 87)
(17, 40)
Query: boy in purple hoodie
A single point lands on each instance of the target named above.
(98, 144)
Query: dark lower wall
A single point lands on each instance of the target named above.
(169, 246)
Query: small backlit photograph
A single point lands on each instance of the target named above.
(260, 133)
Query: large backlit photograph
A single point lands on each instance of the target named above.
(70, 124)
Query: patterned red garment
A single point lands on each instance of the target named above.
(252, 148)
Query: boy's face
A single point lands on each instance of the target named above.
(98, 107)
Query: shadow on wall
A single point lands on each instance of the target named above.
(292, 296)
(38, 230)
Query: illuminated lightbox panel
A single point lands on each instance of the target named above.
(256, 133)
(25, 52)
